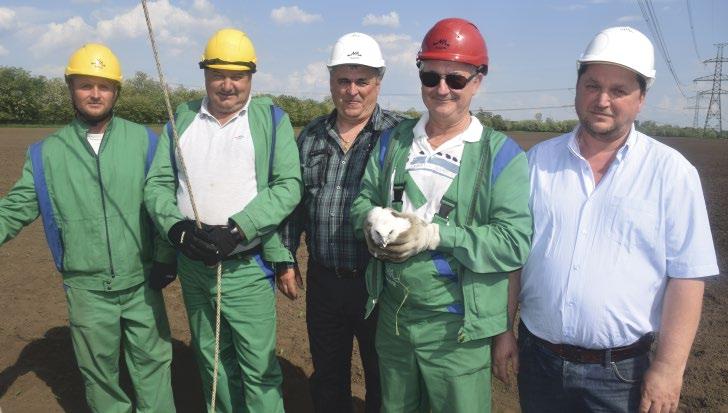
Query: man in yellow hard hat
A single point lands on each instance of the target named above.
(243, 167)
(86, 181)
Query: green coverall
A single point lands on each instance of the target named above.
(439, 308)
(249, 374)
(103, 246)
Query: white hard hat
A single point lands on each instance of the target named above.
(622, 46)
(356, 49)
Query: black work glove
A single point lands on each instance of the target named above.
(162, 274)
(223, 239)
(194, 243)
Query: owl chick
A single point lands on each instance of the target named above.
(385, 226)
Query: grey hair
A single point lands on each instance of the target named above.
(380, 70)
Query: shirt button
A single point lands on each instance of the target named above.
(576, 267)
(583, 232)
(331, 213)
(343, 162)
(338, 187)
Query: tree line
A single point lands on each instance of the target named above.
(36, 100)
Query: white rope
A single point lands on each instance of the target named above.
(183, 170)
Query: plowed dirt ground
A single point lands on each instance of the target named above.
(38, 371)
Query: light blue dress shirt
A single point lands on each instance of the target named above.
(602, 254)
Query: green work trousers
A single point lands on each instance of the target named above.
(425, 369)
(249, 376)
(100, 322)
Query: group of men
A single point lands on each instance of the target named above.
(608, 225)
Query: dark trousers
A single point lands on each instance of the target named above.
(334, 316)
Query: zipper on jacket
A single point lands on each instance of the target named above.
(103, 206)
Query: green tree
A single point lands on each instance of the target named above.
(141, 100)
(20, 95)
(56, 105)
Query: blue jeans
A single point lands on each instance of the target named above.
(548, 383)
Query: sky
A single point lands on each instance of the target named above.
(533, 45)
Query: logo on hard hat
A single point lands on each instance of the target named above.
(354, 55)
(441, 44)
(98, 63)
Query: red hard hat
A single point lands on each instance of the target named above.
(456, 40)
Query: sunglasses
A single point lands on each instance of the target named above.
(453, 81)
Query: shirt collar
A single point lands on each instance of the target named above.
(377, 119)
(632, 140)
(473, 132)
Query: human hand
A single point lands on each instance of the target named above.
(223, 238)
(420, 236)
(289, 281)
(504, 353)
(161, 275)
(661, 387)
(193, 242)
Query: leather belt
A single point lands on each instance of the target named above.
(339, 272)
(582, 355)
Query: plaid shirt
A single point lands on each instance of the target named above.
(331, 182)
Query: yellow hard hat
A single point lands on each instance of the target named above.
(229, 49)
(94, 59)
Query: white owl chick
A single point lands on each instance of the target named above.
(385, 226)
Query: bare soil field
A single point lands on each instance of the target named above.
(38, 371)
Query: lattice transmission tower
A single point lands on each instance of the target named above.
(698, 98)
(713, 115)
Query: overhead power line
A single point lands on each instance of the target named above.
(648, 13)
(531, 108)
(692, 29)
(498, 92)
(487, 92)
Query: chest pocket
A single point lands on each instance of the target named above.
(315, 168)
(634, 223)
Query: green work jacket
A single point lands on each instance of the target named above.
(279, 186)
(94, 216)
(487, 233)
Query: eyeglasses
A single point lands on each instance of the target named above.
(452, 80)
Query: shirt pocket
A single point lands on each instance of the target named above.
(634, 223)
(315, 168)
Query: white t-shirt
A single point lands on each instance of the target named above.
(94, 139)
